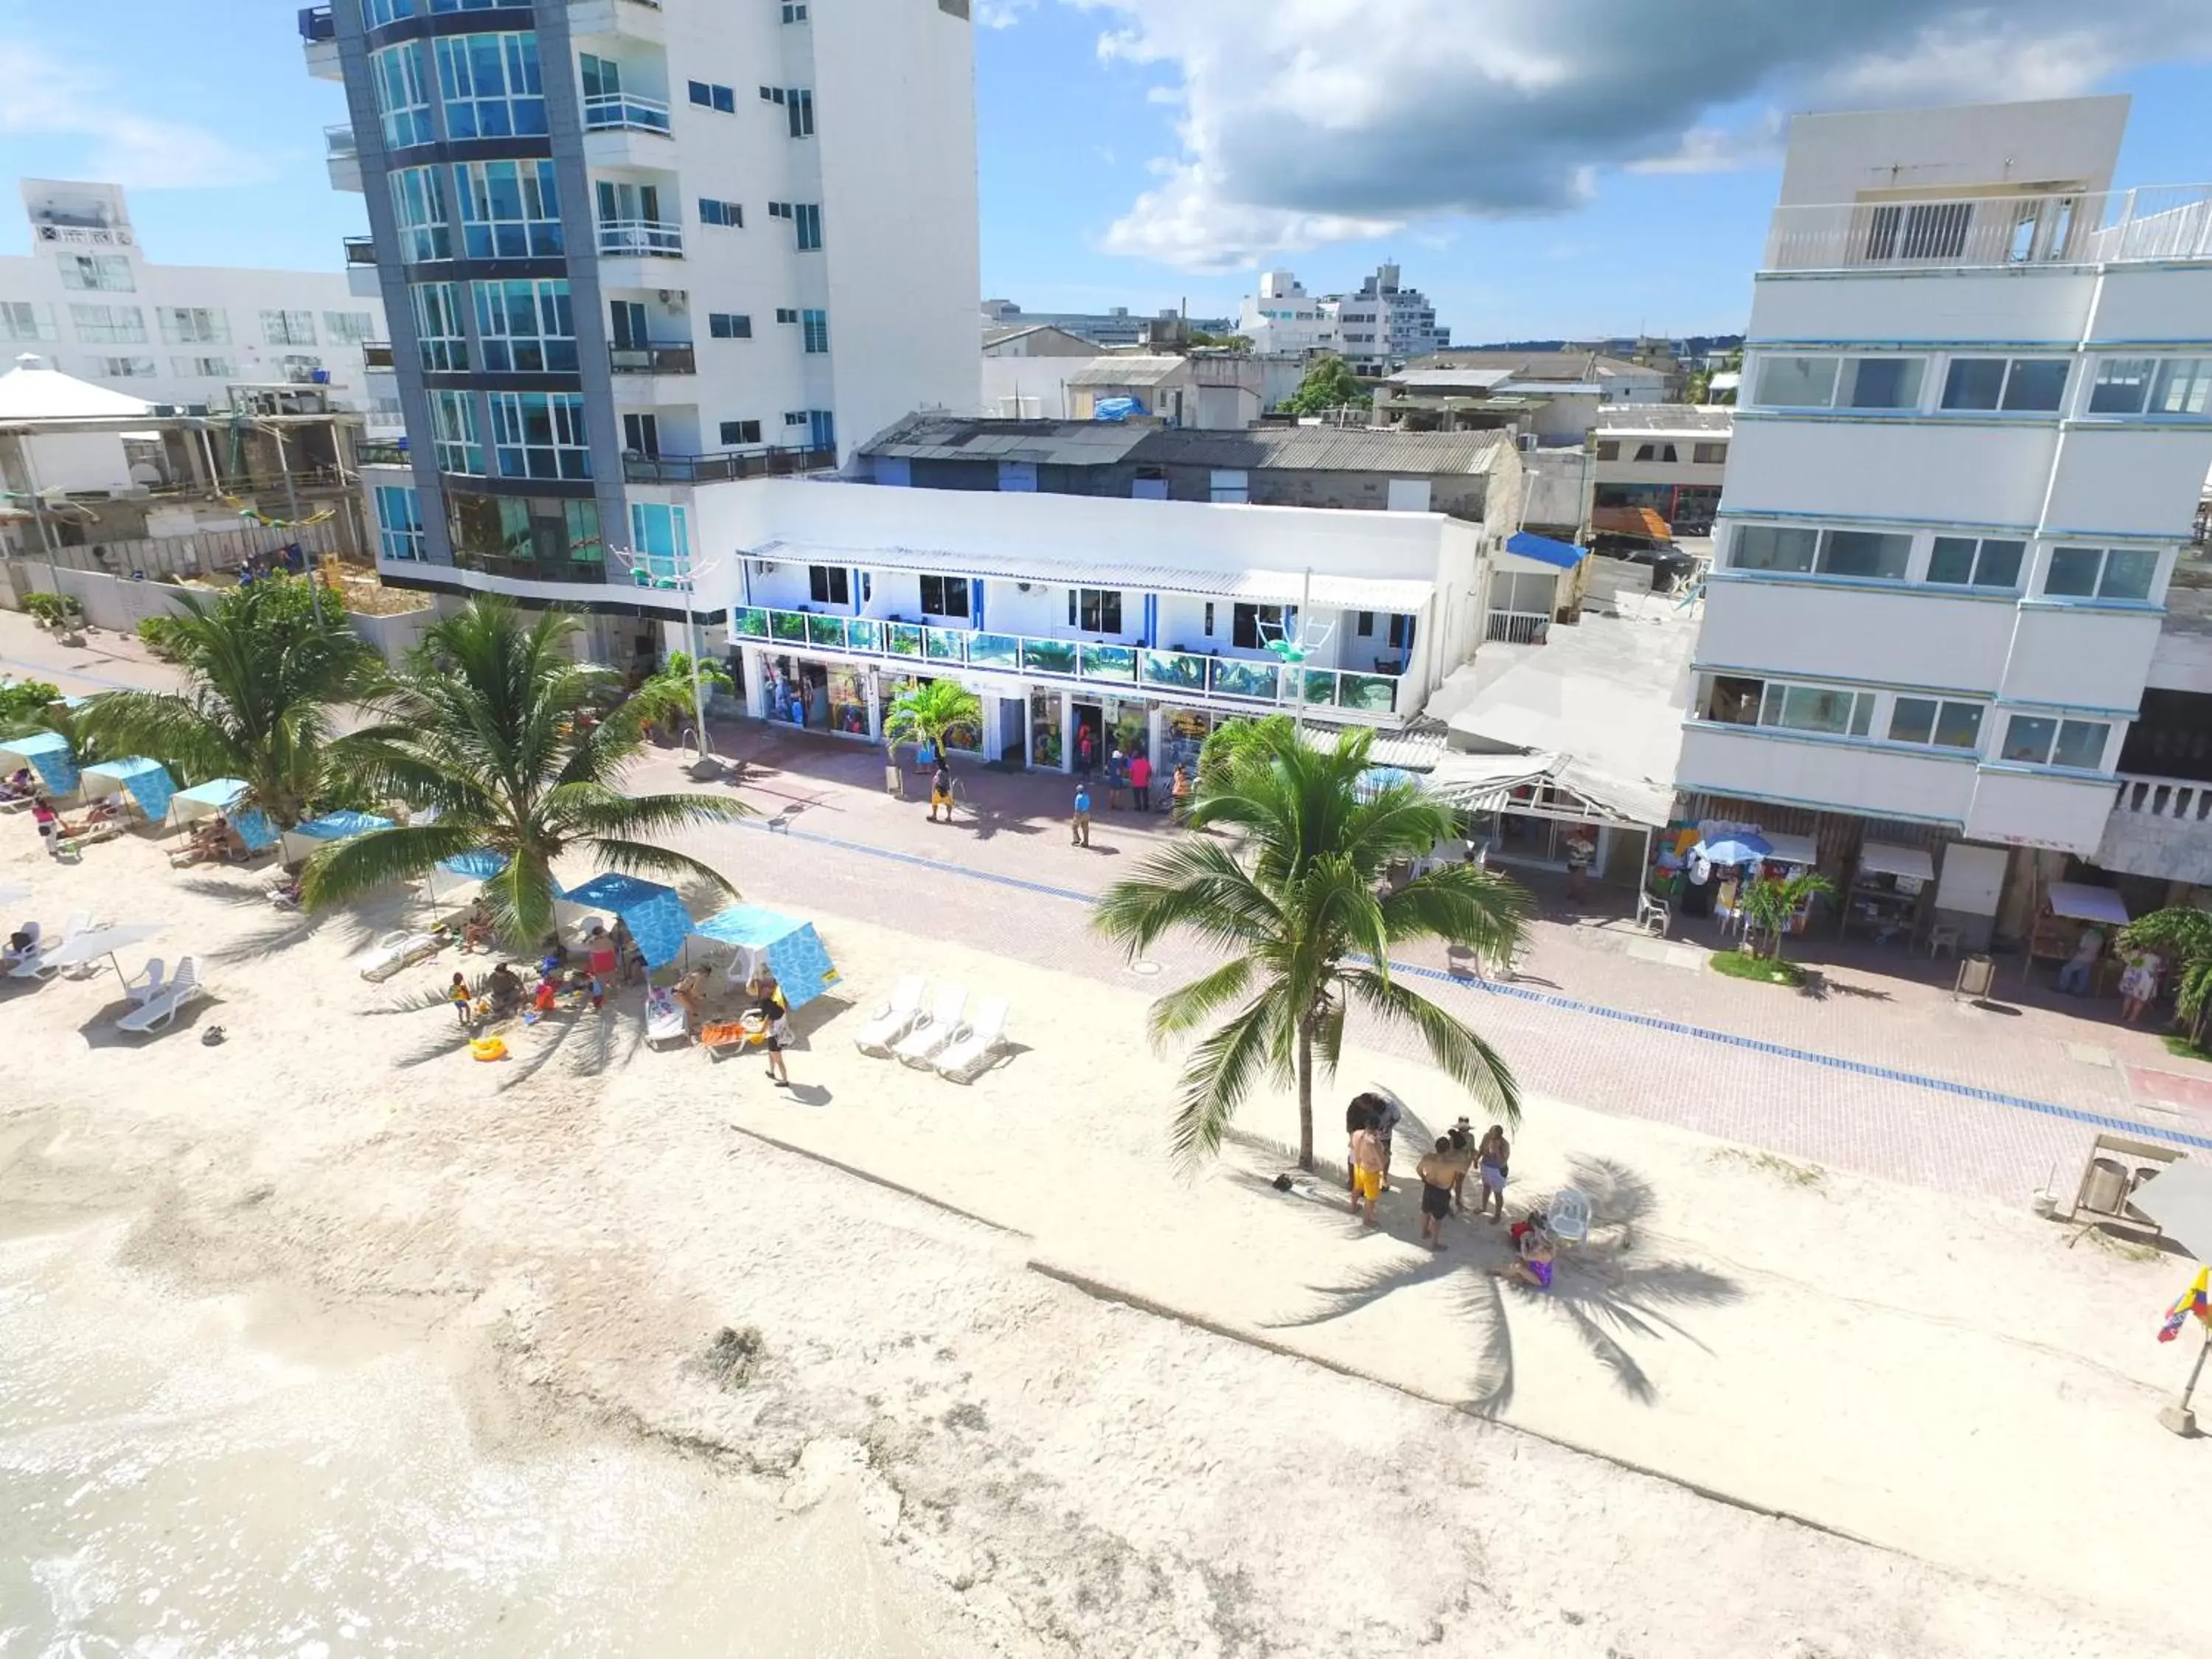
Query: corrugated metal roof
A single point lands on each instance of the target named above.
(1484, 378)
(1665, 417)
(965, 438)
(1127, 371)
(1323, 449)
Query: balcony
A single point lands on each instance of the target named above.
(2160, 827)
(728, 465)
(523, 567)
(1128, 670)
(651, 239)
(381, 452)
(319, 40)
(361, 250)
(625, 111)
(653, 360)
(376, 354)
(343, 156)
(637, 20)
(2157, 223)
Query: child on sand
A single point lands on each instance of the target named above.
(459, 995)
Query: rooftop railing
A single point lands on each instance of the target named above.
(729, 464)
(1129, 668)
(2154, 222)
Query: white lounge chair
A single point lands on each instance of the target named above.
(665, 1020)
(36, 965)
(155, 1013)
(396, 951)
(919, 1047)
(971, 1053)
(11, 960)
(148, 982)
(893, 1019)
(1568, 1220)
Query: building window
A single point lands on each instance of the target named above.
(1709, 454)
(288, 328)
(21, 321)
(661, 540)
(641, 433)
(794, 417)
(489, 86)
(419, 211)
(946, 596)
(557, 539)
(509, 209)
(785, 314)
(1095, 609)
(192, 325)
(376, 13)
(798, 104)
(108, 325)
(398, 523)
(736, 434)
(712, 212)
(1608, 449)
(794, 12)
(707, 96)
(453, 428)
(1655, 451)
(2046, 740)
(1866, 554)
(1937, 720)
(2115, 573)
(729, 325)
(814, 330)
(97, 273)
(201, 368)
(806, 219)
(2152, 385)
(828, 584)
(441, 335)
(526, 327)
(1229, 486)
(539, 434)
(1251, 626)
(1963, 562)
(402, 94)
(1929, 230)
(298, 366)
(347, 327)
(1817, 708)
(127, 368)
(2021, 383)
(1787, 382)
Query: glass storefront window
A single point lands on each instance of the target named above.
(1125, 727)
(1046, 738)
(1182, 734)
(848, 702)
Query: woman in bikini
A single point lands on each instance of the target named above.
(1491, 1160)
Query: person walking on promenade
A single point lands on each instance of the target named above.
(941, 788)
(1140, 780)
(1079, 825)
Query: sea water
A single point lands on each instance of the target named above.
(186, 1476)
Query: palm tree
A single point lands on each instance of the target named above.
(2182, 938)
(490, 723)
(1773, 905)
(664, 698)
(1294, 904)
(938, 713)
(264, 676)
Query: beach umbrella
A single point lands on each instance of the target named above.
(2179, 1198)
(1743, 849)
(104, 941)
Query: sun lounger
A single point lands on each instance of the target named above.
(665, 1020)
(723, 1036)
(396, 951)
(149, 982)
(919, 1047)
(11, 960)
(969, 1054)
(156, 1012)
(893, 1019)
(35, 965)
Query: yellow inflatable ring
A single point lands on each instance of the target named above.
(488, 1048)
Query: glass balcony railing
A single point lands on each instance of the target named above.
(1138, 668)
(381, 452)
(360, 251)
(316, 23)
(654, 359)
(727, 464)
(650, 238)
(624, 112)
(338, 143)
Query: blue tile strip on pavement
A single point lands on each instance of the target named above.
(1545, 998)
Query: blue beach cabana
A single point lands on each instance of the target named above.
(301, 841)
(47, 754)
(655, 916)
(791, 948)
(221, 795)
(146, 781)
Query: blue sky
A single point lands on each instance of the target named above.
(1538, 170)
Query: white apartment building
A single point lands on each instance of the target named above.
(1384, 324)
(89, 302)
(1975, 421)
(1284, 318)
(635, 252)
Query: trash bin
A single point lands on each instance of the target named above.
(1976, 976)
(894, 780)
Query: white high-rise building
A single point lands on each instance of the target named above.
(1384, 325)
(88, 302)
(1284, 318)
(1945, 619)
(633, 251)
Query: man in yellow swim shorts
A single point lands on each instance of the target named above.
(940, 789)
(1366, 1171)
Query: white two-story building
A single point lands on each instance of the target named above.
(1976, 415)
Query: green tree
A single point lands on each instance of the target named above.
(1329, 383)
(264, 676)
(24, 705)
(1772, 904)
(489, 723)
(2183, 938)
(1293, 897)
(664, 698)
(940, 712)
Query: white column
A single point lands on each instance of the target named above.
(1152, 724)
(755, 683)
(1067, 732)
(875, 708)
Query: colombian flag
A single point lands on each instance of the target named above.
(2196, 1299)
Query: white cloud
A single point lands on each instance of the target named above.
(1299, 122)
(46, 98)
(999, 14)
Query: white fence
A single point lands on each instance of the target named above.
(196, 555)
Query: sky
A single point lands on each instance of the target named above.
(1539, 167)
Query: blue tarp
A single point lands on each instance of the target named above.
(1542, 548)
(656, 918)
(791, 947)
(1374, 779)
(47, 754)
(1115, 409)
(341, 826)
(147, 780)
(221, 795)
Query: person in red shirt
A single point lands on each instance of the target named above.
(1140, 780)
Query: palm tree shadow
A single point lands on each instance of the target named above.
(287, 928)
(1613, 1304)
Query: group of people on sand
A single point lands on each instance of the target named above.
(1371, 1123)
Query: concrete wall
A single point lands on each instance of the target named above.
(115, 603)
(1934, 152)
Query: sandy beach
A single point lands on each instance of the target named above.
(1078, 1403)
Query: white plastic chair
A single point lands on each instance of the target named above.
(31, 933)
(1569, 1218)
(155, 1014)
(147, 983)
(919, 1046)
(35, 965)
(893, 1019)
(970, 1053)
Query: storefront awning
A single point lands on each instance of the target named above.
(2081, 903)
(1882, 858)
(1790, 849)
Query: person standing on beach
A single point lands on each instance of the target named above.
(1366, 1173)
(1437, 1171)
(1079, 825)
(1491, 1160)
(1359, 1114)
(1387, 1112)
(458, 994)
(941, 788)
(770, 1006)
(603, 960)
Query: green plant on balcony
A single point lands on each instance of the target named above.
(939, 715)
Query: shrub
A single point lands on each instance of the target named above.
(160, 636)
(53, 610)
